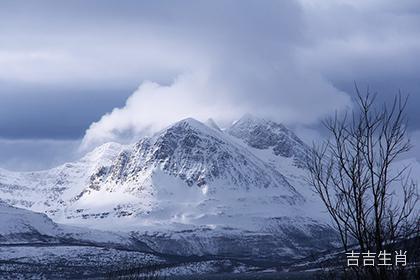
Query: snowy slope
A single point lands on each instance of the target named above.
(282, 150)
(20, 226)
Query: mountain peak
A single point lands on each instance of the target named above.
(250, 121)
(264, 134)
(189, 122)
(191, 125)
(249, 118)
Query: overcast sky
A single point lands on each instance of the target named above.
(66, 65)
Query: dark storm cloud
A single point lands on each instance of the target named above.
(373, 43)
(46, 112)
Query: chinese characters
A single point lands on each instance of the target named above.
(383, 258)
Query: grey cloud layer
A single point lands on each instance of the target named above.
(289, 60)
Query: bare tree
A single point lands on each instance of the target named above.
(371, 201)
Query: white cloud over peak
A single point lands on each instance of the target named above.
(153, 106)
(200, 95)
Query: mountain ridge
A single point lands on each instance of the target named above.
(216, 185)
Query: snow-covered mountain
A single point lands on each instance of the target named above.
(206, 187)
